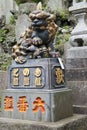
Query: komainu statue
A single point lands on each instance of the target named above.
(37, 40)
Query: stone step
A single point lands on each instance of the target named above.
(76, 122)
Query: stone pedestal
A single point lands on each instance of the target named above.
(76, 77)
(44, 73)
(37, 105)
(37, 91)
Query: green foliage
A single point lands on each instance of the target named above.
(3, 33)
(20, 1)
(37, 1)
(64, 14)
(61, 39)
(23, 1)
(5, 61)
(12, 19)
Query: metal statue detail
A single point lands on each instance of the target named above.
(36, 41)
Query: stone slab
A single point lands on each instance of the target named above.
(76, 74)
(78, 7)
(56, 104)
(76, 63)
(76, 122)
(79, 92)
(76, 52)
(80, 109)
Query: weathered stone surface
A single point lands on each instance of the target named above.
(77, 63)
(79, 95)
(76, 52)
(56, 5)
(80, 109)
(76, 76)
(76, 122)
(79, 92)
(47, 66)
(3, 81)
(27, 7)
(79, 6)
(57, 104)
(6, 6)
(21, 24)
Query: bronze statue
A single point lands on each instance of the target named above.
(37, 39)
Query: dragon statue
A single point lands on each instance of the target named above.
(37, 40)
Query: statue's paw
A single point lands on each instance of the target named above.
(37, 41)
(20, 59)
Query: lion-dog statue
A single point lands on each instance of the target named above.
(37, 40)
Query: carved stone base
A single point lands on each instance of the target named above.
(40, 105)
(44, 73)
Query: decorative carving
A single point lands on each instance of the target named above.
(15, 81)
(8, 103)
(37, 39)
(59, 76)
(39, 104)
(26, 81)
(15, 76)
(22, 104)
(26, 72)
(38, 78)
(37, 72)
(38, 81)
(15, 72)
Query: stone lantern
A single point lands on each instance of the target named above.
(79, 33)
(76, 57)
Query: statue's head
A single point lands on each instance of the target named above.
(40, 18)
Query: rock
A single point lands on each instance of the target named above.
(27, 7)
(5, 7)
(2, 21)
(55, 5)
(21, 24)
